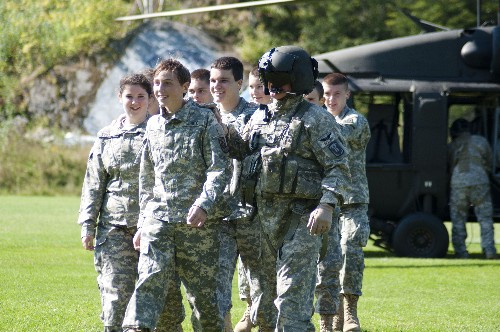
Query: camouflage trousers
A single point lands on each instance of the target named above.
(288, 268)
(327, 279)
(354, 233)
(192, 253)
(460, 200)
(243, 283)
(115, 261)
(241, 236)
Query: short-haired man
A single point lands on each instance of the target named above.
(183, 171)
(316, 95)
(354, 224)
(199, 88)
(239, 234)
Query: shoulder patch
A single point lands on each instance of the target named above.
(336, 148)
(326, 138)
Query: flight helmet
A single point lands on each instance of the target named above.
(288, 64)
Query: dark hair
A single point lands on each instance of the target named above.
(136, 79)
(319, 87)
(459, 126)
(336, 79)
(229, 63)
(175, 66)
(201, 74)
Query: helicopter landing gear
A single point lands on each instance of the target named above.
(420, 235)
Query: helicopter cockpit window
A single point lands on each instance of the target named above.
(386, 117)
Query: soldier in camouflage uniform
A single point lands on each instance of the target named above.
(110, 193)
(301, 178)
(239, 234)
(470, 160)
(354, 225)
(184, 170)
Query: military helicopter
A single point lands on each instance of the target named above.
(410, 89)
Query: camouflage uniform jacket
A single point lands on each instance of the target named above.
(111, 187)
(317, 143)
(470, 159)
(232, 197)
(356, 131)
(183, 163)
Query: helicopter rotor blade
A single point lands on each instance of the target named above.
(204, 9)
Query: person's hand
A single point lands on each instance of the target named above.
(137, 240)
(196, 216)
(320, 219)
(88, 243)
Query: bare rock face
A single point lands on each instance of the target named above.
(157, 40)
(82, 96)
(64, 94)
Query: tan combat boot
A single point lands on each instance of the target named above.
(351, 322)
(228, 325)
(245, 324)
(338, 319)
(325, 323)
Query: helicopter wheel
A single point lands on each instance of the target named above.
(420, 235)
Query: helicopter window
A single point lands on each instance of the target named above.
(386, 115)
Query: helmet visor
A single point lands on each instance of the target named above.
(277, 79)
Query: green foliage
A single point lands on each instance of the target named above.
(38, 34)
(49, 282)
(33, 167)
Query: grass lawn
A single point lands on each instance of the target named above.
(48, 282)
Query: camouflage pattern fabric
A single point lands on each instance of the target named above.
(189, 139)
(115, 261)
(111, 186)
(111, 193)
(356, 131)
(460, 201)
(238, 235)
(112, 178)
(289, 278)
(354, 223)
(328, 283)
(354, 233)
(243, 284)
(192, 253)
(470, 159)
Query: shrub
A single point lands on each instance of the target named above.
(34, 167)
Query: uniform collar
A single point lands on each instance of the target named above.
(343, 113)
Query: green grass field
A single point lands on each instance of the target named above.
(48, 282)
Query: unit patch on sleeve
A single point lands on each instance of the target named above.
(336, 148)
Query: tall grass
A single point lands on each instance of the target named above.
(48, 281)
(34, 167)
